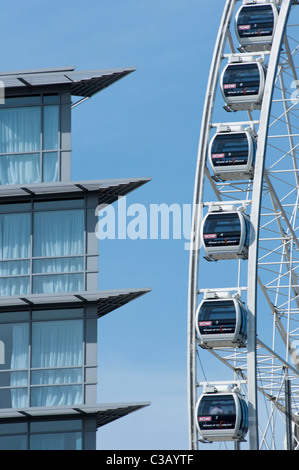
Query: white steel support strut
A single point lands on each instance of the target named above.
(197, 213)
(255, 222)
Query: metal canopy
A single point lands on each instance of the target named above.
(81, 83)
(104, 413)
(106, 301)
(108, 190)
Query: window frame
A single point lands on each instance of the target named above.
(32, 316)
(29, 428)
(45, 206)
(42, 152)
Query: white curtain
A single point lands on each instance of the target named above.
(50, 166)
(58, 233)
(19, 360)
(14, 243)
(50, 128)
(20, 129)
(57, 344)
(20, 132)
(20, 169)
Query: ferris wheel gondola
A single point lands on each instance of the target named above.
(255, 24)
(232, 153)
(243, 83)
(221, 321)
(255, 219)
(222, 415)
(225, 233)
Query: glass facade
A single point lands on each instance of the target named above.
(43, 358)
(48, 247)
(42, 435)
(29, 139)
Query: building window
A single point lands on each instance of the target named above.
(58, 240)
(29, 139)
(43, 361)
(42, 251)
(42, 435)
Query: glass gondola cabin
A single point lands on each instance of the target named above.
(222, 323)
(232, 155)
(225, 235)
(255, 25)
(222, 417)
(243, 84)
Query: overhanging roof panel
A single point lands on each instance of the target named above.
(80, 83)
(106, 301)
(104, 413)
(108, 191)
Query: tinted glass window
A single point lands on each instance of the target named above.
(217, 412)
(230, 149)
(218, 311)
(220, 223)
(226, 143)
(217, 318)
(256, 16)
(242, 74)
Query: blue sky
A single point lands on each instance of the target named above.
(146, 125)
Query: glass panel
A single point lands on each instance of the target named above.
(55, 426)
(226, 223)
(222, 230)
(58, 441)
(217, 317)
(13, 442)
(50, 127)
(56, 376)
(20, 378)
(57, 343)
(56, 395)
(220, 408)
(58, 233)
(14, 286)
(57, 314)
(15, 207)
(15, 339)
(20, 130)
(23, 100)
(19, 397)
(50, 167)
(15, 236)
(61, 205)
(58, 283)
(57, 265)
(51, 99)
(6, 317)
(13, 398)
(13, 428)
(256, 21)
(20, 169)
(230, 149)
(14, 268)
(242, 74)
(236, 143)
(218, 311)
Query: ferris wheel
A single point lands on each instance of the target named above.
(243, 307)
